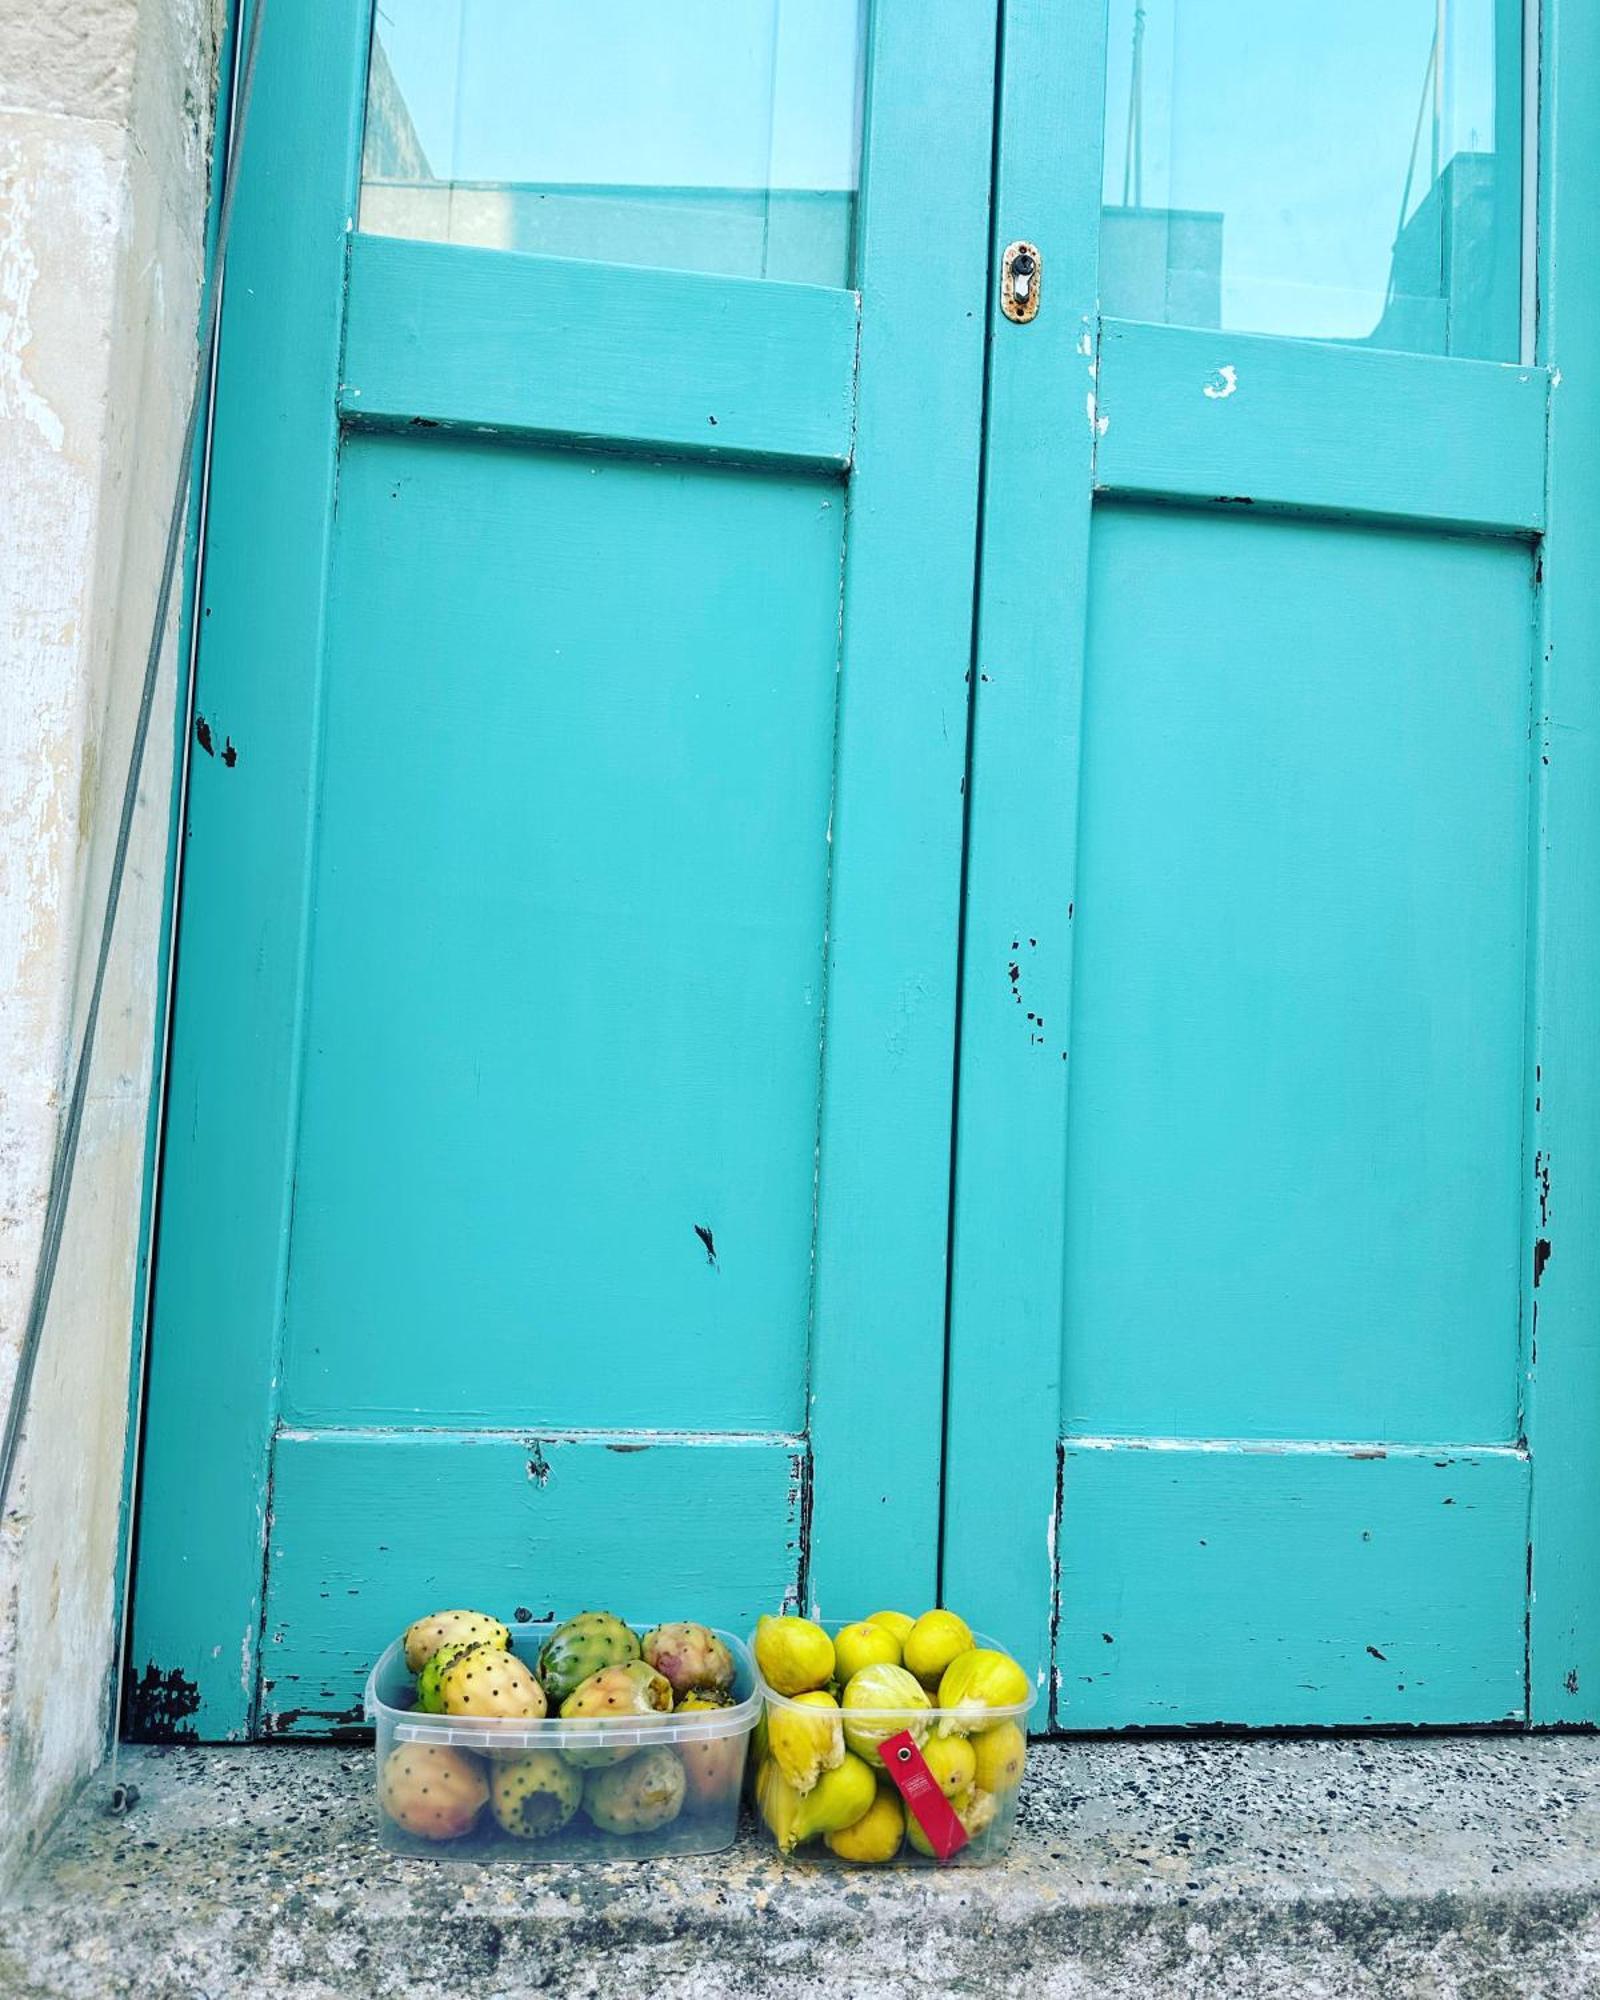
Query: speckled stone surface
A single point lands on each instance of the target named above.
(1435, 1867)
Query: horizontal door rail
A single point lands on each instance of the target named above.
(488, 341)
(1312, 426)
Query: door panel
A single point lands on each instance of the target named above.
(587, 649)
(1202, 1586)
(1296, 1030)
(571, 862)
(1257, 914)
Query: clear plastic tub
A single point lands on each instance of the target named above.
(472, 1769)
(991, 1816)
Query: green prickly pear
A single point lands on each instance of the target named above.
(581, 1647)
(627, 1693)
(637, 1797)
(535, 1795)
(424, 1638)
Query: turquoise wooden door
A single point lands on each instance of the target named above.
(1273, 1371)
(558, 1142)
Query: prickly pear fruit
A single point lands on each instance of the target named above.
(636, 1797)
(427, 1635)
(432, 1791)
(976, 1681)
(876, 1704)
(704, 1698)
(429, 1699)
(581, 1647)
(933, 1642)
(691, 1656)
(484, 1681)
(838, 1799)
(712, 1765)
(805, 1738)
(794, 1655)
(877, 1835)
(624, 1693)
(536, 1794)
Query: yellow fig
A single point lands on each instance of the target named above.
(897, 1622)
(877, 1835)
(864, 1645)
(805, 1739)
(880, 1702)
(838, 1799)
(1000, 1753)
(975, 1682)
(794, 1655)
(933, 1642)
(953, 1762)
(974, 1809)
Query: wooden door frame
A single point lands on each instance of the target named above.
(1003, 1443)
(878, 1308)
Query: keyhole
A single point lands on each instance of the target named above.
(1022, 278)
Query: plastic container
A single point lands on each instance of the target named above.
(991, 1826)
(460, 1758)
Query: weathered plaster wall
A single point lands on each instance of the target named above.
(105, 110)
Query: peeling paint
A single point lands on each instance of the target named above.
(1223, 383)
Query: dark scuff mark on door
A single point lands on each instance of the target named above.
(538, 1464)
(708, 1242)
(158, 1706)
(202, 733)
(1541, 1257)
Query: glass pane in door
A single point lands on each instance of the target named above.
(1346, 172)
(705, 135)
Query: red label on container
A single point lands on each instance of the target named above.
(909, 1774)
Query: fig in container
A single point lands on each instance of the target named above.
(877, 1835)
(889, 1689)
(975, 1682)
(794, 1655)
(807, 1739)
(932, 1643)
(837, 1800)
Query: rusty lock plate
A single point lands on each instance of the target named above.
(1019, 282)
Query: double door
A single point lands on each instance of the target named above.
(886, 875)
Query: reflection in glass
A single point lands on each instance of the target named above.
(1340, 172)
(706, 135)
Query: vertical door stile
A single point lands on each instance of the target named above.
(204, 1509)
(875, 1399)
(1562, 1268)
(1005, 1360)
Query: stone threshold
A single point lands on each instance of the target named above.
(1438, 1866)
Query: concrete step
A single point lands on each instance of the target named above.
(1462, 1866)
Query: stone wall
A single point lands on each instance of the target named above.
(105, 124)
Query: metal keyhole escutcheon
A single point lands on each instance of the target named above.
(1019, 282)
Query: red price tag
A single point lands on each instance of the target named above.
(909, 1774)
